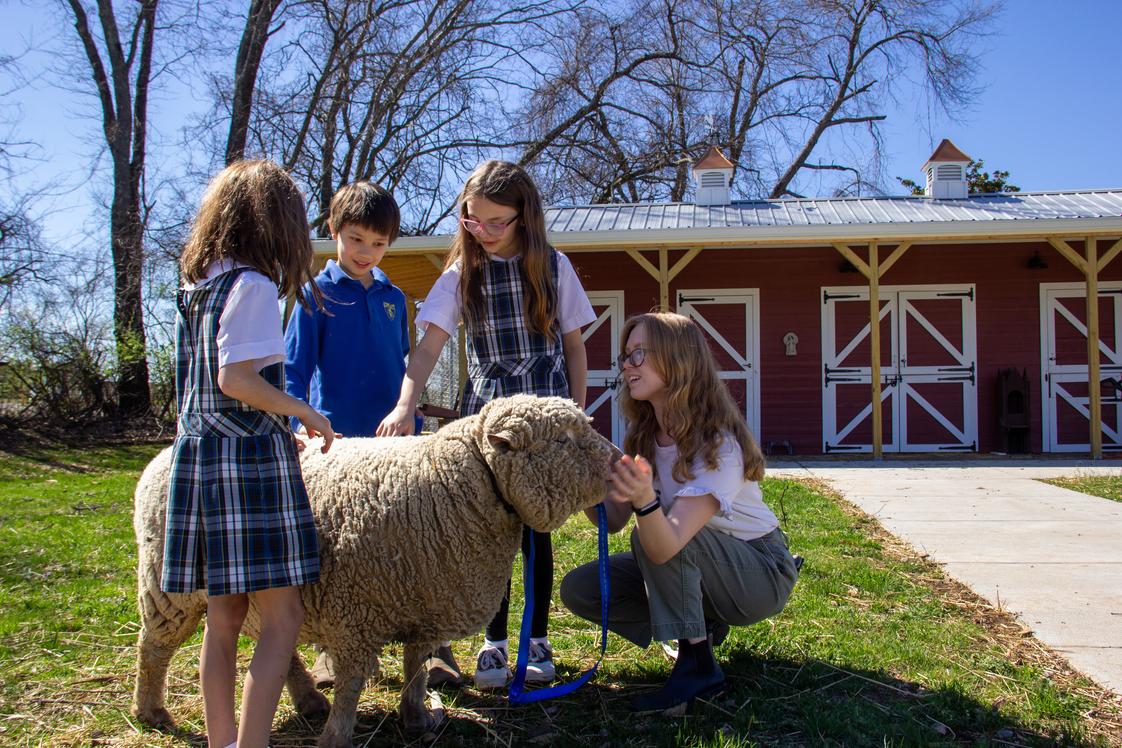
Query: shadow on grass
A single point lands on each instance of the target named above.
(774, 702)
(92, 459)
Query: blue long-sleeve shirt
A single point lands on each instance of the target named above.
(348, 366)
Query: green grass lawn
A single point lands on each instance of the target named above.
(1104, 486)
(876, 648)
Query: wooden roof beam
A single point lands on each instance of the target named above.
(1070, 254)
(892, 258)
(643, 262)
(680, 265)
(1110, 254)
(856, 261)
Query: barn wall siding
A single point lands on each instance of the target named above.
(790, 282)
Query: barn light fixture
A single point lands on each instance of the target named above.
(847, 267)
(1036, 262)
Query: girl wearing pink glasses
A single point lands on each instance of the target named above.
(523, 307)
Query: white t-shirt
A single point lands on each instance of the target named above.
(444, 308)
(742, 514)
(249, 328)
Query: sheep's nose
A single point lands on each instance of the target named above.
(616, 452)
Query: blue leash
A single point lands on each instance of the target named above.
(518, 694)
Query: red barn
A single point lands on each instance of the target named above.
(983, 322)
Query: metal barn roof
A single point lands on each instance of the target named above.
(414, 261)
(1018, 216)
(850, 211)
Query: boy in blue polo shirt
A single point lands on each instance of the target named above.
(349, 360)
(348, 363)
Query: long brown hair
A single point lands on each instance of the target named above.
(699, 409)
(253, 213)
(507, 184)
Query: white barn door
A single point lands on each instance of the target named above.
(929, 394)
(1065, 394)
(601, 341)
(730, 320)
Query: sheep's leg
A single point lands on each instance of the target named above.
(417, 718)
(302, 689)
(351, 670)
(164, 628)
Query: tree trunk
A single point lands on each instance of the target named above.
(124, 112)
(127, 232)
(252, 47)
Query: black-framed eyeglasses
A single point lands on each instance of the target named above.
(491, 229)
(635, 357)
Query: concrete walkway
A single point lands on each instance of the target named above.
(1051, 556)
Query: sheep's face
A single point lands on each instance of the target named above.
(548, 459)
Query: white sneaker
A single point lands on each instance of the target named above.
(539, 666)
(492, 669)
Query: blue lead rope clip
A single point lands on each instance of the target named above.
(518, 693)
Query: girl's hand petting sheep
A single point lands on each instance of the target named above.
(399, 422)
(632, 482)
(315, 424)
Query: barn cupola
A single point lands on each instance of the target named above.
(946, 172)
(712, 174)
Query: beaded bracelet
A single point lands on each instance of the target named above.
(647, 509)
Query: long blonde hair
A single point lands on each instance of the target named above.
(507, 184)
(699, 409)
(253, 213)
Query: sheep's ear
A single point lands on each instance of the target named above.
(510, 434)
(502, 441)
(505, 423)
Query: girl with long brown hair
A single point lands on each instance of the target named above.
(239, 524)
(706, 552)
(523, 307)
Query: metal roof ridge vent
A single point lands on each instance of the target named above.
(712, 174)
(945, 170)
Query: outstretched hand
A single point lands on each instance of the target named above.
(399, 422)
(316, 424)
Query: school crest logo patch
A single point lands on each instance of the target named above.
(391, 310)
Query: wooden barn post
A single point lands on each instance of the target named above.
(1090, 264)
(873, 271)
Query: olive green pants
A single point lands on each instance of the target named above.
(715, 576)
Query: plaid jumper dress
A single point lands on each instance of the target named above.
(238, 516)
(504, 356)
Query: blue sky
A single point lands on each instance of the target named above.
(1051, 111)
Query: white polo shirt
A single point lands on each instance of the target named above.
(249, 328)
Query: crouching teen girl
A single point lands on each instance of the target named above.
(706, 552)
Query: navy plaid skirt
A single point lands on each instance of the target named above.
(238, 516)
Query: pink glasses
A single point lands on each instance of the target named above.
(491, 229)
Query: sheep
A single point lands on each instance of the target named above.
(417, 540)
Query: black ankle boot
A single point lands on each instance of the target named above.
(717, 631)
(696, 674)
